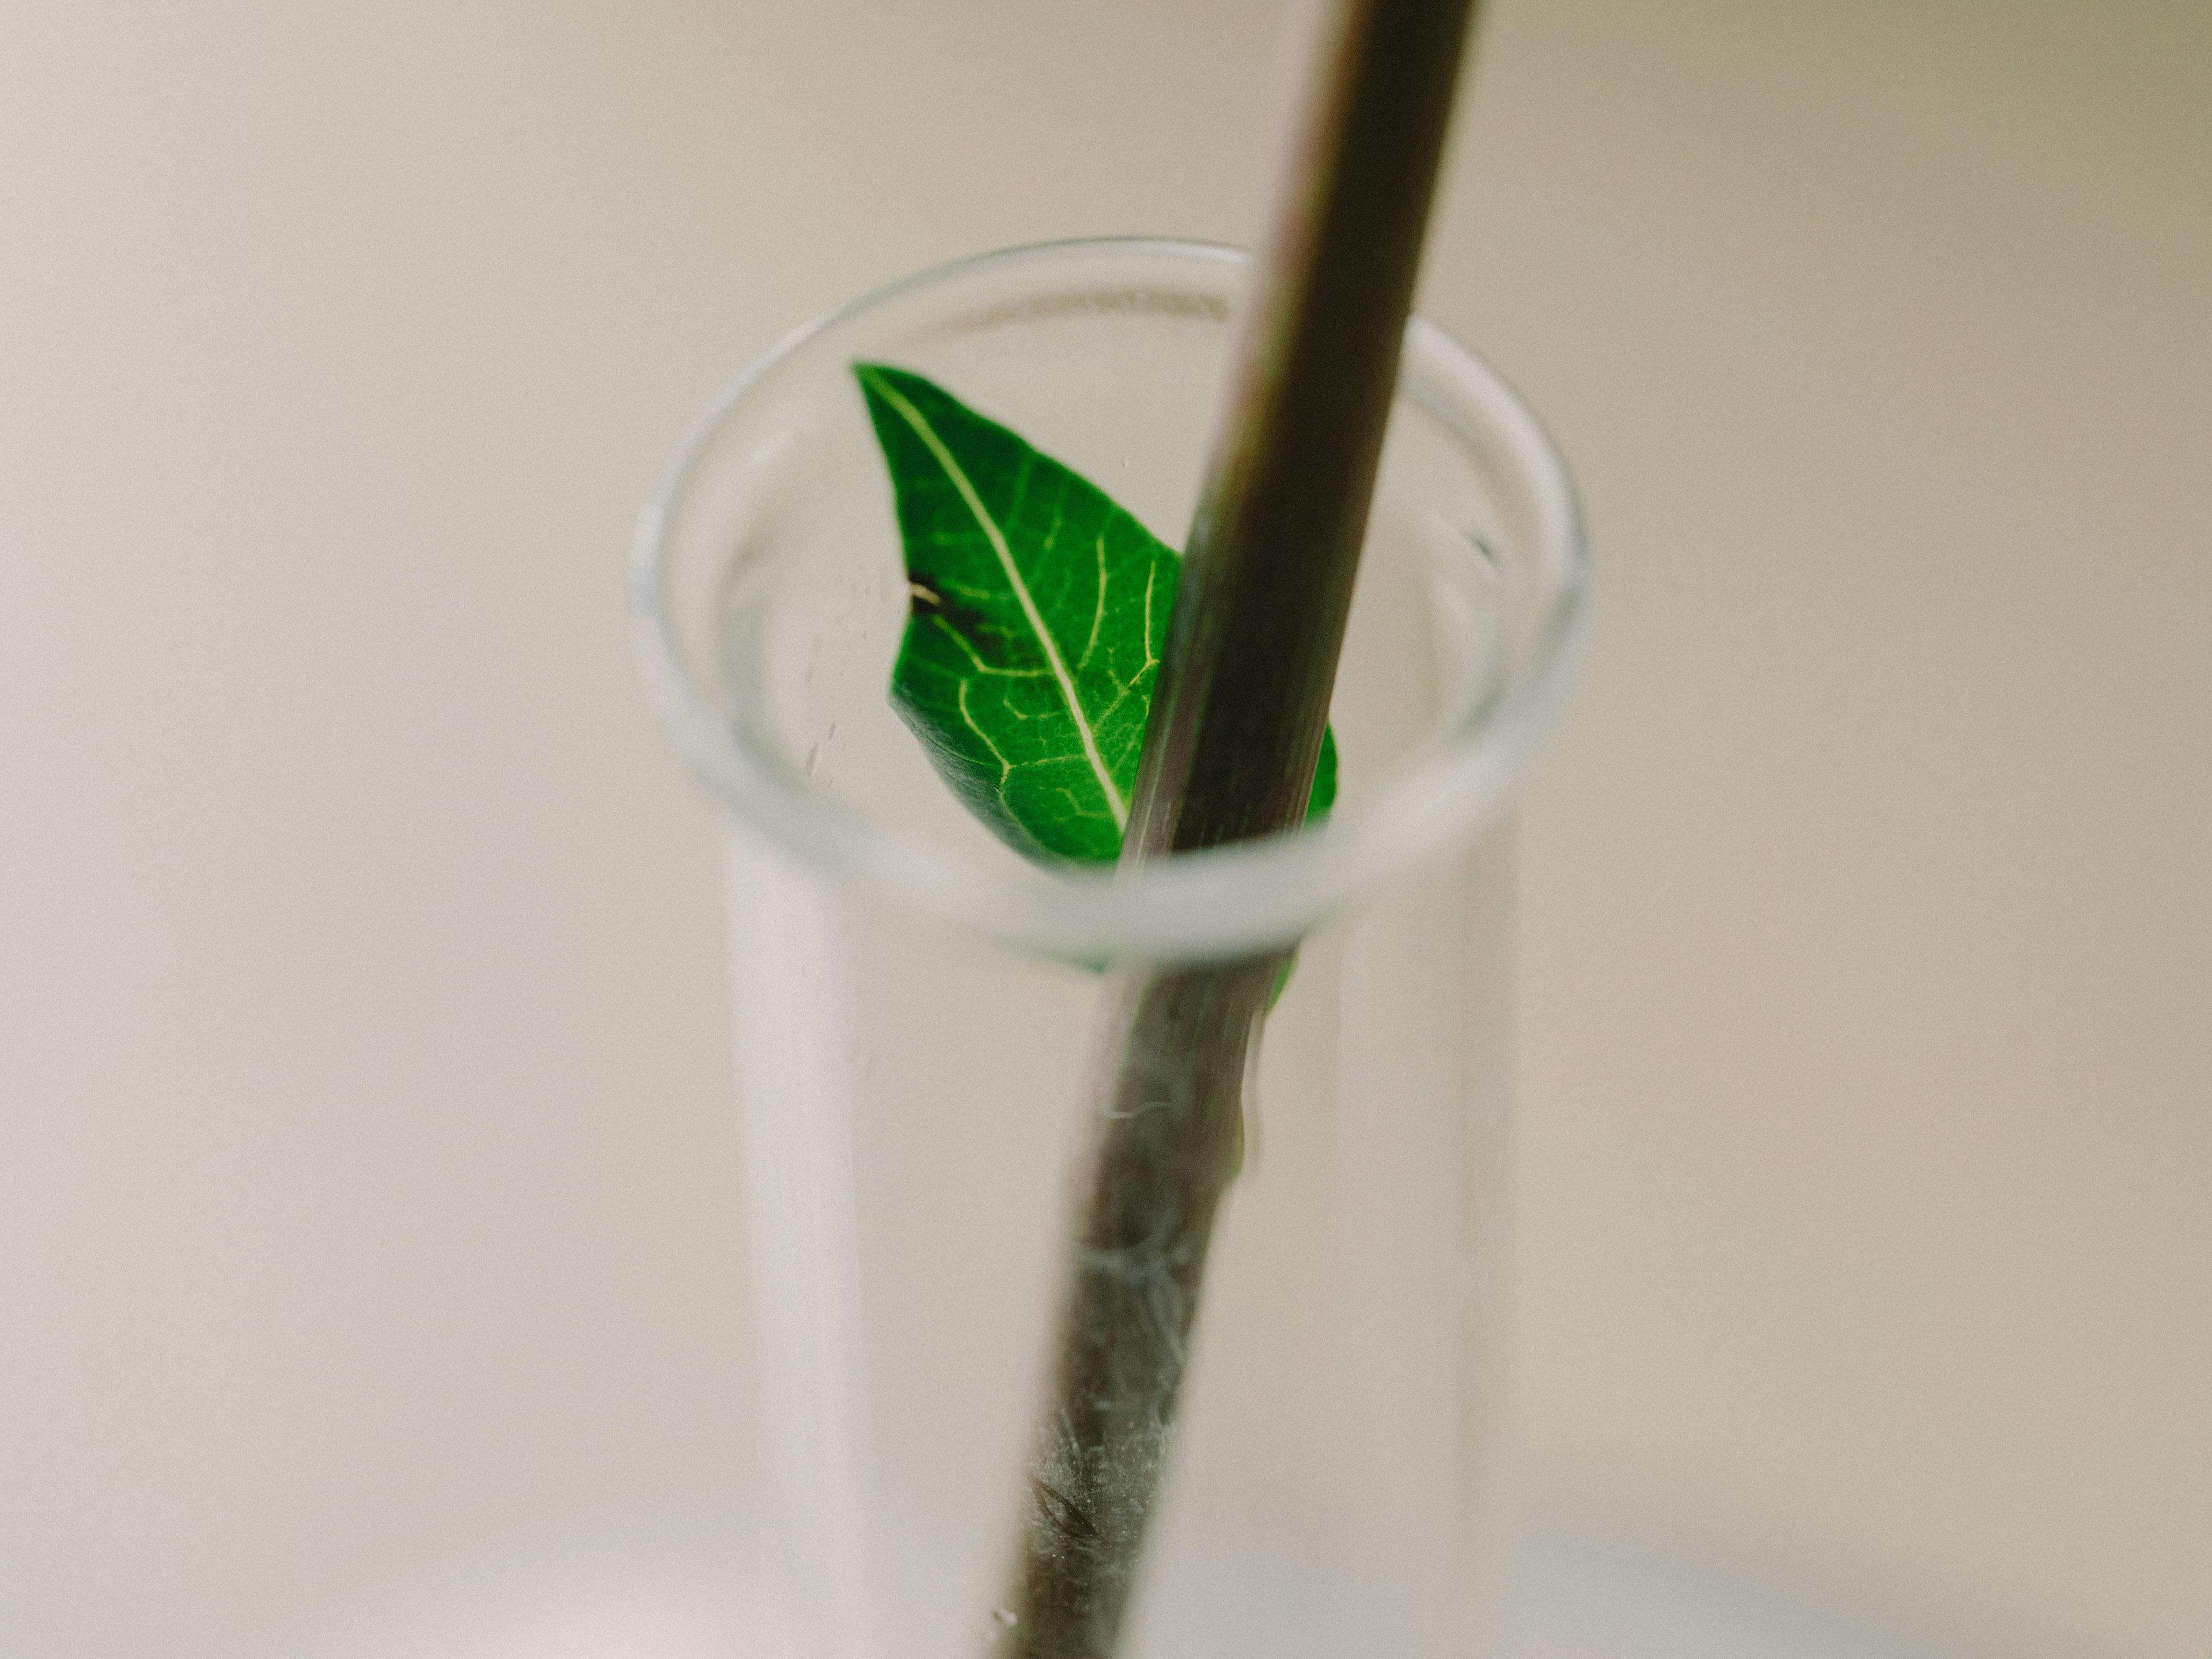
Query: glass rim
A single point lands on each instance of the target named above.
(1218, 903)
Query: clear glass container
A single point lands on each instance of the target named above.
(917, 1008)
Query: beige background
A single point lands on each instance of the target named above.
(364, 1175)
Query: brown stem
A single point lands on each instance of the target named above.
(1165, 1147)
(1229, 751)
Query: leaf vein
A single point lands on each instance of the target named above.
(1005, 765)
(996, 536)
(1097, 610)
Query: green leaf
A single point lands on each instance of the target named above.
(1038, 614)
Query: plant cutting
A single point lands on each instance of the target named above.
(911, 600)
(1078, 726)
(1038, 618)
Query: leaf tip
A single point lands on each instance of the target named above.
(877, 378)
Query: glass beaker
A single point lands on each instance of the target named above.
(914, 1006)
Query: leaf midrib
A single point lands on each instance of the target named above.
(914, 418)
